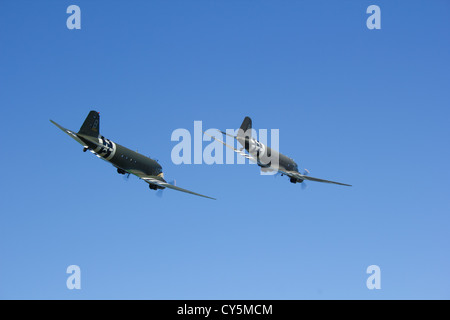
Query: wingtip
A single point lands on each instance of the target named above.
(208, 197)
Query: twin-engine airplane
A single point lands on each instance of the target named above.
(124, 159)
(265, 156)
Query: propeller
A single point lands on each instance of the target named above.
(277, 174)
(305, 173)
(159, 193)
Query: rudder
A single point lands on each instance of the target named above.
(246, 128)
(246, 124)
(91, 126)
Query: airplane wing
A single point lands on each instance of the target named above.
(76, 136)
(227, 134)
(294, 174)
(71, 134)
(158, 182)
(242, 153)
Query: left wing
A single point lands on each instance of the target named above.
(76, 137)
(242, 153)
(297, 175)
(155, 180)
(71, 134)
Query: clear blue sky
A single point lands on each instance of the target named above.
(365, 107)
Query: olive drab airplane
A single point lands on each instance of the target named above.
(267, 158)
(124, 159)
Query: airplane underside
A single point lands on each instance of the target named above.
(150, 185)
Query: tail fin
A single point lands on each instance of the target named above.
(91, 126)
(246, 127)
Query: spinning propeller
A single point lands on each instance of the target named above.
(305, 173)
(159, 193)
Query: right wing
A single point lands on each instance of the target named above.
(158, 182)
(297, 175)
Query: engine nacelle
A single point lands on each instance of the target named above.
(155, 187)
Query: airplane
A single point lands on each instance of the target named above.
(263, 155)
(124, 159)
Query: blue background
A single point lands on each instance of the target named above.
(365, 107)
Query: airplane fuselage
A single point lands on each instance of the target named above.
(124, 159)
(267, 157)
